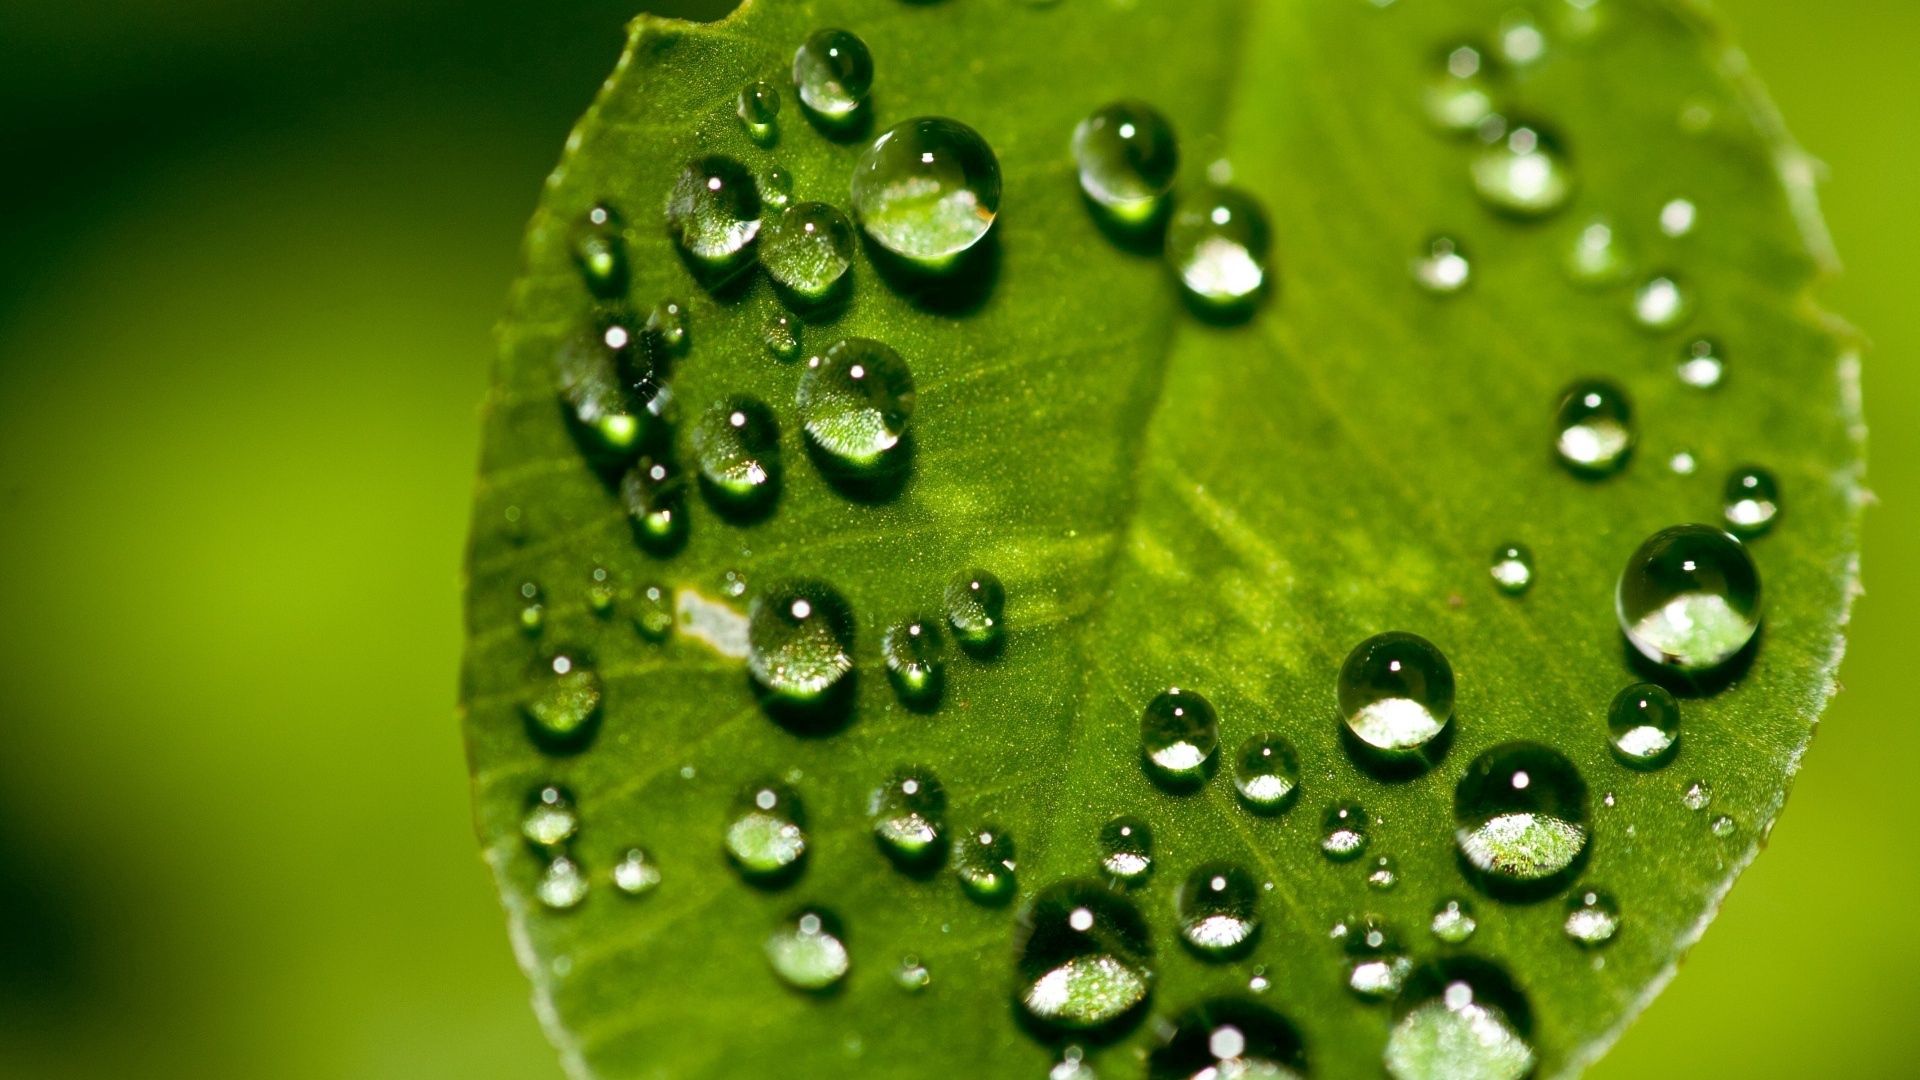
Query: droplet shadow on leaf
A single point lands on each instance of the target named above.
(829, 715)
(958, 290)
(1395, 768)
(1694, 684)
(882, 482)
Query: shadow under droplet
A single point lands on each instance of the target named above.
(771, 881)
(1223, 314)
(1145, 238)
(1511, 891)
(881, 482)
(727, 282)
(957, 290)
(853, 127)
(922, 865)
(1101, 1035)
(746, 508)
(1395, 767)
(828, 715)
(1694, 684)
(1179, 785)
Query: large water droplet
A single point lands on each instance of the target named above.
(807, 248)
(1219, 911)
(1689, 597)
(1126, 850)
(736, 443)
(909, 815)
(1377, 963)
(1453, 922)
(1179, 734)
(1524, 173)
(1084, 958)
(1229, 1039)
(550, 820)
(655, 497)
(1661, 303)
(808, 950)
(563, 885)
(1592, 918)
(1593, 428)
(1266, 773)
(800, 640)
(767, 836)
(1127, 157)
(1521, 812)
(1344, 834)
(832, 73)
(976, 610)
(1643, 726)
(927, 190)
(758, 107)
(636, 874)
(1460, 96)
(1217, 243)
(1512, 568)
(1752, 501)
(713, 212)
(600, 251)
(563, 710)
(1396, 695)
(983, 861)
(856, 400)
(1463, 1019)
(915, 652)
(1442, 269)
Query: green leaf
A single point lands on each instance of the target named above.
(1223, 505)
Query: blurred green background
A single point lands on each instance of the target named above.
(253, 252)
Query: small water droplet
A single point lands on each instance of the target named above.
(1683, 463)
(1643, 726)
(927, 190)
(550, 820)
(1084, 958)
(1229, 1039)
(976, 607)
(776, 188)
(1442, 268)
(653, 612)
(915, 653)
(767, 836)
(909, 815)
(1126, 850)
(1523, 173)
(1701, 365)
(1596, 256)
(1383, 875)
(832, 74)
(736, 443)
(1689, 598)
(1453, 922)
(655, 497)
(781, 336)
(600, 251)
(1179, 734)
(600, 592)
(1345, 835)
(1521, 42)
(669, 322)
(1592, 918)
(1460, 95)
(1396, 695)
(808, 950)
(563, 885)
(758, 107)
(1461, 1018)
(1127, 156)
(807, 248)
(1723, 826)
(1218, 243)
(1521, 812)
(1752, 501)
(912, 975)
(1377, 963)
(800, 640)
(636, 874)
(713, 212)
(856, 400)
(1258, 982)
(563, 710)
(1661, 303)
(1512, 568)
(1219, 911)
(533, 609)
(983, 861)
(1266, 773)
(1594, 429)
(1698, 796)
(1073, 1064)
(1677, 217)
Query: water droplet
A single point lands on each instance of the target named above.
(600, 592)
(1442, 269)
(653, 612)
(1752, 501)
(800, 640)
(1377, 964)
(1689, 597)
(1453, 922)
(1677, 217)
(983, 861)
(1083, 958)
(564, 709)
(1592, 918)
(1521, 811)
(1661, 303)
(636, 874)
(1396, 695)
(605, 376)
(976, 606)
(909, 815)
(533, 611)
(1383, 875)
(550, 820)
(927, 190)
(912, 975)
(1723, 826)
(1512, 568)
(782, 336)
(1345, 835)
(856, 400)
(600, 251)
(808, 950)
(1698, 796)
(1229, 1039)
(1460, 96)
(807, 248)
(1218, 244)
(758, 107)
(563, 885)
(737, 446)
(1524, 173)
(767, 837)
(1596, 256)
(1126, 850)
(1643, 726)
(713, 212)
(1701, 365)
(655, 497)
(1259, 982)
(915, 652)
(668, 321)
(1463, 1018)
(1594, 428)
(1127, 157)
(1073, 1064)
(1683, 463)
(1219, 911)
(1179, 733)
(1266, 772)
(832, 73)
(776, 188)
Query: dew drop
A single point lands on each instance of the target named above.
(1462, 1019)
(636, 874)
(1723, 826)
(1179, 734)
(1217, 244)
(1643, 726)
(927, 190)
(1512, 568)
(1396, 695)
(808, 950)
(758, 107)
(1661, 303)
(1701, 365)
(600, 251)
(983, 861)
(653, 612)
(915, 653)
(1594, 429)
(1442, 269)
(1698, 796)
(1677, 217)
(1460, 96)
(856, 400)
(600, 592)
(1073, 1064)
(1266, 773)
(1683, 463)
(1523, 173)
(912, 975)
(713, 212)
(655, 497)
(563, 885)
(1383, 875)
(1345, 832)
(1219, 913)
(807, 248)
(1752, 501)
(832, 74)
(781, 336)
(563, 710)
(909, 816)
(767, 836)
(605, 376)
(976, 611)
(1689, 598)
(1229, 1039)
(800, 640)
(736, 443)
(776, 188)
(1127, 156)
(668, 320)
(550, 819)
(1377, 964)
(1595, 257)
(1592, 918)
(1521, 816)
(533, 609)
(1084, 958)
(1453, 922)
(1126, 850)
